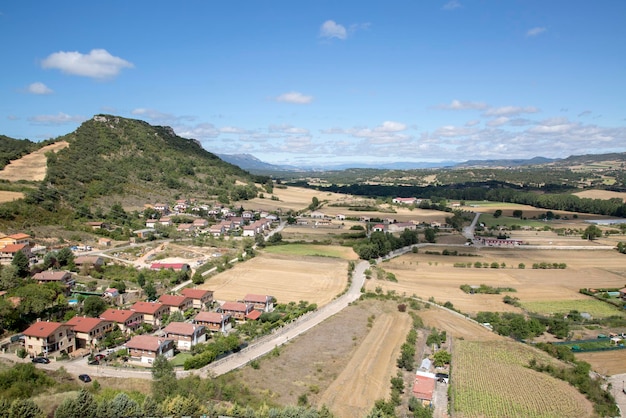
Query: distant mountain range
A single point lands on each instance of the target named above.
(254, 165)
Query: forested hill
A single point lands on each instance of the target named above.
(114, 159)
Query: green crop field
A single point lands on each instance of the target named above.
(490, 221)
(595, 308)
(307, 250)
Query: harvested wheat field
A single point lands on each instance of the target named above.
(601, 194)
(291, 198)
(455, 325)
(435, 276)
(287, 278)
(605, 362)
(366, 376)
(31, 167)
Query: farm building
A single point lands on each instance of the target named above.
(173, 266)
(424, 387)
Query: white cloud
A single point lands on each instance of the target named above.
(58, 119)
(390, 126)
(453, 131)
(451, 5)
(461, 105)
(99, 63)
(472, 122)
(39, 88)
(233, 130)
(330, 29)
(201, 131)
(288, 129)
(535, 31)
(502, 120)
(510, 110)
(294, 97)
(158, 117)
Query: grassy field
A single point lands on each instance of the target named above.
(596, 308)
(313, 250)
(491, 379)
(491, 221)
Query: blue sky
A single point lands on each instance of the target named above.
(318, 82)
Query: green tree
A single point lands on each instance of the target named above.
(94, 306)
(430, 235)
(22, 264)
(164, 382)
(441, 358)
(9, 279)
(592, 232)
(517, 213)
(25, 408)
(150, 290)
(497, 213)
(123, 406)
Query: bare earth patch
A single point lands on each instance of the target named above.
(606, 362)
(9, 196)
(287, 278)
(601, 194)
(31, 167)
(341, 363)
(366, 376)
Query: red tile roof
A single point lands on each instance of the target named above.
(254, 315)
(118, 315)
(146, 342)
(195, 293)
(236, 306)
(256, 298)
(42, 329)
(173, 300)
(84, 324)
(19, 236)
(423, 387)
(147, 307)
(13, 248)
(213, 317)
(181, 328)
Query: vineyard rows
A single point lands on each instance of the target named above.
(490, 379)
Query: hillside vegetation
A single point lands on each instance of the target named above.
(114, 160)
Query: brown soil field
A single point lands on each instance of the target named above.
(287, 278)
(31, 167)
(9, 196)
(601, 194)
(341, 363)
(606, 362)
(366, 376)
(435, 276)
(455, 326)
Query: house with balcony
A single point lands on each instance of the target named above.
(89, 332)
(262, 303)
(145, 348)
(45, 338)
(200, 298)
(176, 303)
(152, 312)
(237, 310)
(185, 335)
(128, 321)
(214, 321)
(7, 253)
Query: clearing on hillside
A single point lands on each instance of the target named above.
(6, 196)
(491, 379)
(288, 278)
(31, 167)
(601, 194)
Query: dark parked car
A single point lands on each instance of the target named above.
(85, 378)
(42, 360)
